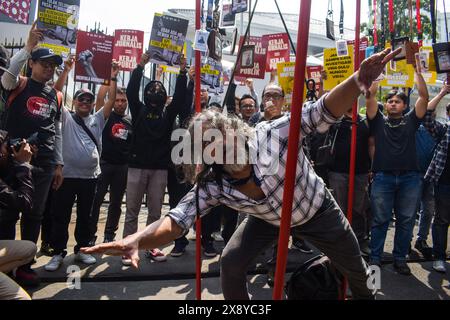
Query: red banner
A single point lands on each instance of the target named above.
(16, 10)
(128, 48)
(363, 44)
(278, 50)
(259, 69)
(94, 56)
(313, 72)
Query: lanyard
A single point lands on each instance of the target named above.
(341, 20)
(433, 20)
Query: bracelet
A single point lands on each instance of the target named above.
(114, 79)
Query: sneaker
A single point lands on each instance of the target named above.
(402, 268)
(424, 249)
(439, 266)
(85, 258)
(126, 261)
(364, 249)
(301, 246)
(26, 277)
(156, 255)
(54, 263)
(178, 251)
(46, 250)
(210, 251)
(217, 236)
(271, 277)
(375, 263)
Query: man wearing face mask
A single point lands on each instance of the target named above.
(149, 159)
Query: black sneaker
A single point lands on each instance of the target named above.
(301, 246)
(364, 249)
(402, 268)
(26, 277)
(46, 250)
(178, 250)
(209, 250)
(424, 249)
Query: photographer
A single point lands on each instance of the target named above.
(16, 189)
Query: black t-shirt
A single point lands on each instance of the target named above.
(395, 142)
(445, 176)
(116, 139)
(35, 109)
(342, 147)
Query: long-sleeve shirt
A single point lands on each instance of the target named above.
(269, 169)
(17, 196)
(440, 132)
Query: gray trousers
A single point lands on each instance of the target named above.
(339, 184)
(328, 230)
(139, 182)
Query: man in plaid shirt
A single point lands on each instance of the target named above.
(439, 174)
(257, 189)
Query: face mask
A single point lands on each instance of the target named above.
(155, 99)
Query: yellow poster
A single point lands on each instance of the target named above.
(285, 71)
(428, 65)
(337, 68)
(398, 74)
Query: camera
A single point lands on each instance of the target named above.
(16, 143)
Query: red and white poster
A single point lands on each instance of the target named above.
(363, 44)
(18, 10)
(128, 48)
(313, 72)
(94, 57)
(278, 49)
(259, 68)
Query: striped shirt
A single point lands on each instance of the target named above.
(309, 191)
(440, 132)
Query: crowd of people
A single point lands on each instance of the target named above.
(116, 143)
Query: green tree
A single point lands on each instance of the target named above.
(401, 20)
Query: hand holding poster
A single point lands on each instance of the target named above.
(167, 39)
(259, 67)
(337, 68)
(278, 50)
(94, 56)
(128, 48)
(59, 20)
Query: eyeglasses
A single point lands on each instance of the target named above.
(274, 96)
(85, 100)
(47, 64)
(248, 106)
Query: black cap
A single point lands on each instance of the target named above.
(46, 54)
(82, 92)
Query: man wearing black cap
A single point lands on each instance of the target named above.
(82, 147)
(34, 107)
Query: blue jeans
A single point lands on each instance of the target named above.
(426, 210)
(441, 221)
(399, 193)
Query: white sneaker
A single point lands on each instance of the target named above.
(85, 258)
(54, 263)
(126, 262)
(439, 266)
(217, 236)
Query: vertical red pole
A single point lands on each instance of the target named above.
(198, 223)
(375, 34)
(294, 138)
(351, 180)
(391, 17)
(419, 23)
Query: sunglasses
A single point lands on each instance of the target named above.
(47, 64)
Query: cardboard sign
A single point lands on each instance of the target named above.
(59, 21)
(94, 56)
(259, 66)
(278, 50)
(337, 68)
(128, 48)
(402, 76)
(167, 39)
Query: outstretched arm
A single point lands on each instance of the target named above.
(435, 101)
(107, 109)
(68, 65)
(371, 101)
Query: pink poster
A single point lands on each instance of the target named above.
(128, 48)
(259, 68)
(278, 49)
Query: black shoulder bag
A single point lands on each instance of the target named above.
(81, 123)
(325, 154)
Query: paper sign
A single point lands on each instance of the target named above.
(337, 68)
(259, 67)
(278, 50)
(128, 48)
(402, 76)
(201, 40)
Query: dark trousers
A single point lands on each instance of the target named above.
(441, 221)
(47, 217)
(30, 223)
(114, 178)
(83, 190)
(229, 218)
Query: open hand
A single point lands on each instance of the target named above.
(34, 36)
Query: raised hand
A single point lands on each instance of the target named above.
(69, 63)
(145, 58)
(34, 36)
(115, 69)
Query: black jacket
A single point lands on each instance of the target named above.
(152, 128)
(17, 195)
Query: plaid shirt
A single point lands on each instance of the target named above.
(440, 132)
(309, 189)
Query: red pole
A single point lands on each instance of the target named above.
(294, 138)
(198, 223)
(419, 23)
(351, 180)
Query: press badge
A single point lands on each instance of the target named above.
(341, 48)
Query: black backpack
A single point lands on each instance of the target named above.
(316, 279)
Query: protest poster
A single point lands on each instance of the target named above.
(285, 72)
(337, 68)
(228, 18)
(363, 45)
(278, 50)
(211, 75)
(59, 21)
(239, 6)
(428, 65)
(402, 76)
(128, 48)
(259, 67)
(314, 72)
(94, 57)
(167, 39)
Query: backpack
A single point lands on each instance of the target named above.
(315, 279)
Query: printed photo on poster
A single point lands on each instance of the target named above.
(167, 39)
(259, 60)
(211, 75)
(128, 48)
(248, 56)
(59, 21)
(400, 43)
(94, 57)
(239, 6)
(228, 18)
(442, 57)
